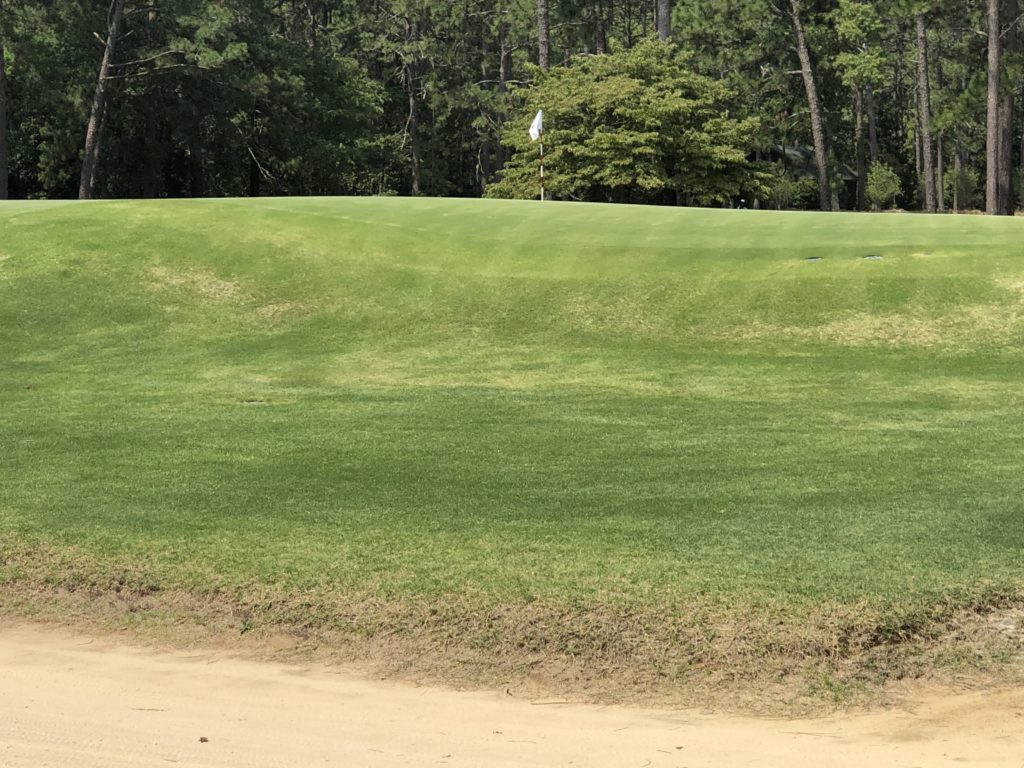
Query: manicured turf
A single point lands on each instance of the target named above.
(513, 401)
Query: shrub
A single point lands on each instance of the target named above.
(883, 185)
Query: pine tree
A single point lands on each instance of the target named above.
(4, 151)
(924, 101)
(992, 138)
(813, 107)
(94, 133)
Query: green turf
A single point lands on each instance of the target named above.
(515, 400)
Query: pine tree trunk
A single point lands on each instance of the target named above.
(940, 175)
(992, 112)
(255, 177)
(918, 154)
(4, 155)
(154, 158)
(414, 130)
(899, 96)
(925, 105)
(500, 153)
(196, 174)
(1020, 173)
(817, 129)
(543, 35)
(958, 170)
(940, 150)
(600, 32)
(94, 133)
(663, 18)
(862, 176)
(756, 204)
(872, 124)
(1006, 201)
(505, 53)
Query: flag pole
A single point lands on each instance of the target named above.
(542, 167)
(536, 133)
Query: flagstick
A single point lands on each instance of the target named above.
(542, 168)
(536, 132)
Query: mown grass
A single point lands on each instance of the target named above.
(498, 404)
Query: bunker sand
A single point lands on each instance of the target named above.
(69, 700)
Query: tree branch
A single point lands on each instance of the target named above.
(147, 60)
(154, 71)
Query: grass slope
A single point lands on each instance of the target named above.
(305, 405)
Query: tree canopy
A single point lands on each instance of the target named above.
(697, 104)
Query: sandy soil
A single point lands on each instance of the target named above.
(80, 701)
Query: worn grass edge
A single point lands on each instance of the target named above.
(744, 654)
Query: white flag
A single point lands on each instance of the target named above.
(537, 126)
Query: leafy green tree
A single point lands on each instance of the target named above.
(635, 126)
(883, 185)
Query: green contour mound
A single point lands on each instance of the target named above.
(499, 425)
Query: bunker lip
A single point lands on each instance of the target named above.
(741, 657)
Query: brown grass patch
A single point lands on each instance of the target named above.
(964, 327)
(202, 283)
(280, 310)
(970, 326)
(1014, 283)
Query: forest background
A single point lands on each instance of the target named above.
(781, 104)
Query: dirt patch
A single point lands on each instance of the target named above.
(86, 700)
(1008, 622)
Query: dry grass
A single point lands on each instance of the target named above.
(1014, 283)
(963, 327)
(282, 309)
(739, 656)
(204, 287)
(970, 327)
(201, 283)
(629, 315)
